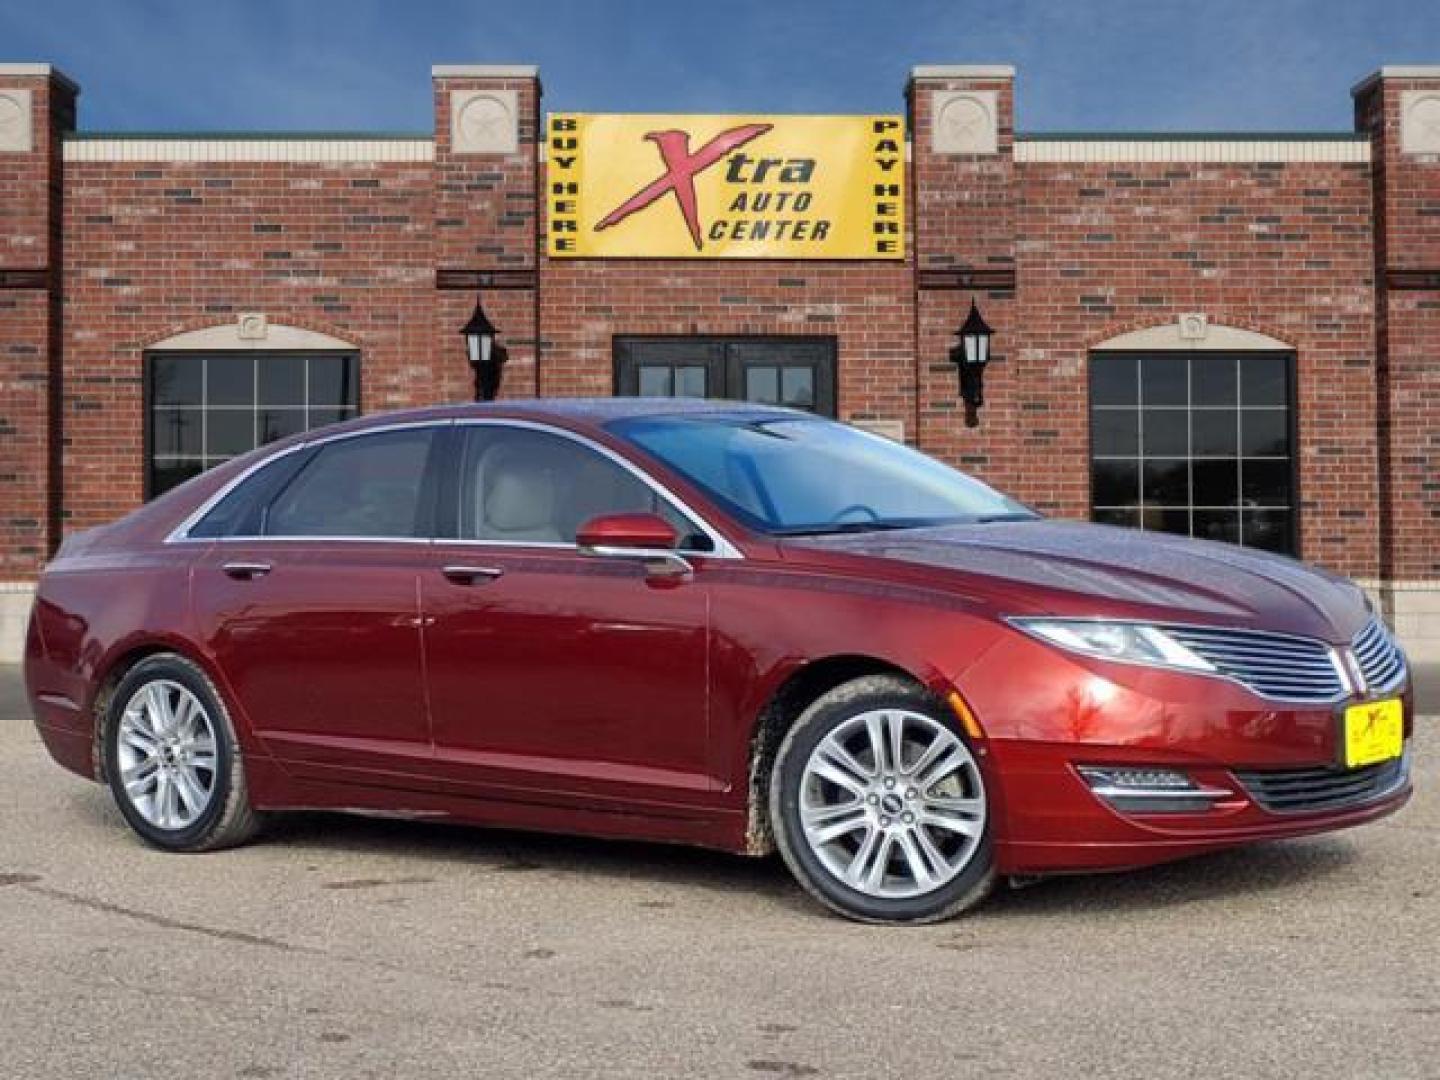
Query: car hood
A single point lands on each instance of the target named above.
(1064, 567)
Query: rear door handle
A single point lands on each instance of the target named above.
(244, 571)
(470, 575)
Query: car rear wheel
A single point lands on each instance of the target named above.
(173, 762)
(879, 807)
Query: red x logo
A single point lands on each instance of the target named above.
(681, 168)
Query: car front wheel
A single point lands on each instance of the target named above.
(879, 806)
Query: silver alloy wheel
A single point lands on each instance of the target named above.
(166, 753)
(892, 804)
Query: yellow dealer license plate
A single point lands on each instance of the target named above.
(1374, 731)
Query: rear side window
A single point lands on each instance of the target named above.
(365, 486)
(239, 512)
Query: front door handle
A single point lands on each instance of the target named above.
(470, 575)
(244, 571)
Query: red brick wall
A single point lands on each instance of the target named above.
(1280, 249)
(965, 225)
(486, 214)
(1101, 249)
(963, 204)
(1064, 257)
(30, 253)
(157, 248)
(965, 222)
(1407, 202)
(24, 431)
(865, 306)
(486, 205)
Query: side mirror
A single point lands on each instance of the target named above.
(648, 538)
(626, 531)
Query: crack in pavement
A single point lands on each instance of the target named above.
(236, 936)
(243, 938)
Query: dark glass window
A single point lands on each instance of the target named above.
(207, 408)
(523, 486)
(1195, 443)
(796, 372)
(366, 486)
(239, 512)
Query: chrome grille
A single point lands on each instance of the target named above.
(1298, 791)
(1275, 666)
(1380, 659)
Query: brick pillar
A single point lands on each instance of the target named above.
(37, 105)
(486, 206)
(963, 206)
(1400, 108)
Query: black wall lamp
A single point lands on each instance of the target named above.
(970, 356)
(486, 355)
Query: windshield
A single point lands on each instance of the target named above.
(791, 476)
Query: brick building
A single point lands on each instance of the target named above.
(1228, 335)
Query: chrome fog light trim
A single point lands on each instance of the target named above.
(1144, 790)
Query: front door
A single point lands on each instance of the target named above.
(798, 372)
(552, 672)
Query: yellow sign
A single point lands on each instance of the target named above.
(1374, 731)
(728, 187)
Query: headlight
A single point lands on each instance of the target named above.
(1131, 643)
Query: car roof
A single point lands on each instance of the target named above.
(591, 410)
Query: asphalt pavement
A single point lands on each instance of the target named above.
(348, 947)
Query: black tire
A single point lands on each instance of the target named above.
(228, 819)
(967, 889)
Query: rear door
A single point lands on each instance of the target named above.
(315, 620)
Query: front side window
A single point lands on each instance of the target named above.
(791, 475)
(522, 486)
(1195, 443)
(360, 487)
(204, 409)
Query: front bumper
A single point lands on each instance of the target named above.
(1046, 714)
(1054, 823)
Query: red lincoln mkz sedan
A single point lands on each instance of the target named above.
(711, 623)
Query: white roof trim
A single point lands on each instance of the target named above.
(1167, 337)
(38, 71)
(319, 151)
(226, 338)
(963, 71)
(485, 71)
(1398, 71)
(1179, 149)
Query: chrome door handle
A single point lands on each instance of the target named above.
(244, 571)
(469, 575)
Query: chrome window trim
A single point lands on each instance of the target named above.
(181, 533)
(724, 549)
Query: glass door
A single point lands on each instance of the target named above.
(796, 372)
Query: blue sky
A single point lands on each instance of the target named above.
(364, 64)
